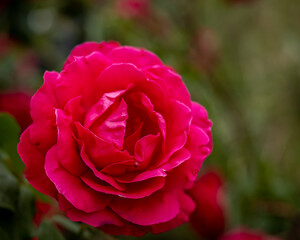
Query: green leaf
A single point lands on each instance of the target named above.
(17, 207)
(47, 231)
(26, 211)
(3, 235)
(67, 223)
(9, 138)
(9, 189)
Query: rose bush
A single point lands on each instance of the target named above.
(115, 139)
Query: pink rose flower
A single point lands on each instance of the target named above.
(245, 234)
(17, 104)
(115, 139)
(208, 219)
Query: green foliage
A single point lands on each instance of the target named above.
(47, 231)
(16, 208)
(9, 138)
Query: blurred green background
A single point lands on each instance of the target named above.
(241, 61)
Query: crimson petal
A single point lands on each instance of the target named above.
(66, 147)
(161, 207)
(72, 188)
(139, 57)
(113, 127)
(87, 48)
(32, 157)
(133, 191)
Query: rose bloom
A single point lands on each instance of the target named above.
(245, 234)
(208, 219)
(17, 105)
(115, 139)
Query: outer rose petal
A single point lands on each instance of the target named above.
(171, 81)
(187, 206)
(200, 117)
(139, 57)
(161, 207)
(79, 78)
(42, 110)
(96, 219)
(87, 48)
(32, 157)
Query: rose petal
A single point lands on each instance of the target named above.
(155, 93)
(200, 117)
(131, 140)
(178, 119)
(198, 137)
(66, 147)
(100, 151)
(119, 76)
(72, 188)
(138, 177)
(176, 159)
(141, 101)
(87, 48)
(95, 219)
(145, 149)
(107, 100)
(139, 57)
(133, 190)
(113, 127)
(105, 151)
(161, 207)
(171, 81)
(42, 110)
(98, 174)
(118, 168)
(74, 109)
(187, 206)
(34, 162)
(79, 79)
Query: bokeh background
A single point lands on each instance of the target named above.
(238, 58)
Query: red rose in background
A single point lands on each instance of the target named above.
(244, 234)
(17, 104)
(133, 8)
(115, 139)
(204, 50)
(208, 219)
(42, 210)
